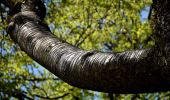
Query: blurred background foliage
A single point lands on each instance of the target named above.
(104, 25)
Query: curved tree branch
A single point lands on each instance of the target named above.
(145, 70)
(52, 98)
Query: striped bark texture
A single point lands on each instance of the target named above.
(138, 71)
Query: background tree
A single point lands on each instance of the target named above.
(106, 26)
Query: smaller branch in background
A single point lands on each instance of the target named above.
(42, 97)
(81, 35)
(111, 96)
(81, 41)
(21, 95)
(136, 97)
(31, 79)
(150, 12)
(76, 97)
(2, 18)
(41, 89)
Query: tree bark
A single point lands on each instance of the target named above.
(138, 71)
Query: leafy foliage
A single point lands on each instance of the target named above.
(95, 24)
(106, 25)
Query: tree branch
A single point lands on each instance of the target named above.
(52, 97)
(137, 71)
(21, 95)
(31, 79)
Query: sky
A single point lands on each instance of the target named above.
(145, 13)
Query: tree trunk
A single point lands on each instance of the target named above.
(138, 71)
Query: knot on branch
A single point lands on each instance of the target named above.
(36, 6)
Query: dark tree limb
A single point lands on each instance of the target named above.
(138, 71)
